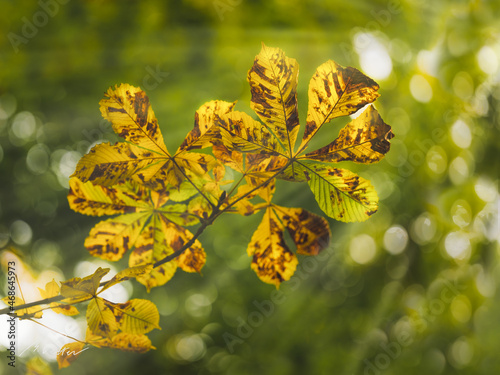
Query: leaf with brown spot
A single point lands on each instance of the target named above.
(52, 289)
(69, 353)
(336, 91)
(95, 200)
(204, 130)
(144, 157)
(112, 238)
(363, 140)
(151, 247)
(273, 84)
(309, 232)
(192, 259)
(242, 133)
(101, 319)
(340, 193)
(272, 260)
(137, 316)
(81, 289)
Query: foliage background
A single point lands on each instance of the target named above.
(439, 192)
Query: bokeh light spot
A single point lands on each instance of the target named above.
(362, 249)
(420, 88)
(395, 239)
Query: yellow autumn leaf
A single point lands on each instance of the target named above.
(52, 289)
(309, 232)
(130, 343)
(150, 247)
(272, 260)
(205, 130)
(136, 316)
(37, 366)
(242, 133)
(336, 91)
(144, 157)
(273, 83)
(340, 193)
(69, 353)
(81, 289)
(101, 319)
(128, 273)
(363, 140)
(112, 238)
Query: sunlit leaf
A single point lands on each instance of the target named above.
(273, 83)
(101, 319)
(81, 289)
(340, 193)
(336, 91)
(52, 289)
(204, 130)
(136, 316)
(363, 140)
(110, 239)
(309, 232)
(272, 260)
(69, 353)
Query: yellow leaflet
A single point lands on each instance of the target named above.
(69, 353)
(204, 131)
(363, 140)
(242, 133)
(129, 111)
(273, 83)
(272, 260)
(108, 165)
(96, 200)
(309, 232)
(340, 193)
(101, 319)
(151, 246)
(336, 91)
(78, 289)
(110, 239)
(122, 341)
(136, 316)
(52, 289)
(191, 260)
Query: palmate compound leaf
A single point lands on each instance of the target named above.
(334, 91)
(147, 223)
(145, 157)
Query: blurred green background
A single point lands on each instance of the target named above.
(413, 290)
